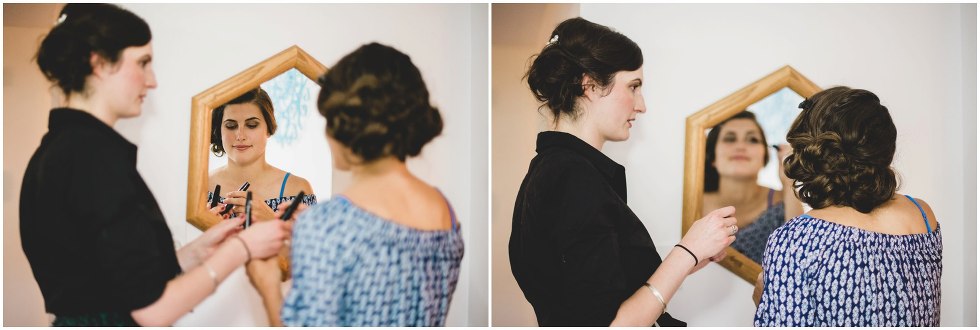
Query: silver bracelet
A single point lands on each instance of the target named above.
(214, 276)
(656, 293)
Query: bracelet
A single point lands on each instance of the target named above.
(214, 276)
(696, 261)
(657, 294)
(247, 252)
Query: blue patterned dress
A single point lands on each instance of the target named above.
(820, 273)
(353, 268)
(751, 239)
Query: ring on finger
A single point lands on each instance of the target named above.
(734, 230)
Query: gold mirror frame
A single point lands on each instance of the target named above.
(707, 118)
(201, 106)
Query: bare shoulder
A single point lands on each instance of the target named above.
(297, 183)
(933, 222)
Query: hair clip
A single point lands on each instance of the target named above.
(554, 40)
(61, 19)
(806, 104)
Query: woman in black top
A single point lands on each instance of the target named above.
(94, 235)
(577, 251)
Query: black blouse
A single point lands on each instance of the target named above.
(576, 249)
(92, 231)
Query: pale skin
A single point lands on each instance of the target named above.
(739, 156)
(116, 90)
(244, 134)
(607, 114)
(384, 187)
(897, 216)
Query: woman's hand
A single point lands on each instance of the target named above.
(709, 236)
(217, 211)
(201, 248)
(264, 239)
(299, 209)
(260, 210)
(784, 151)
(757, 293)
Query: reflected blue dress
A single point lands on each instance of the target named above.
(353, 268)
(273, 203)
(820, 273)
(751, 239)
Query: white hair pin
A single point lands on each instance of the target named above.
(61, 19)
(554, 40)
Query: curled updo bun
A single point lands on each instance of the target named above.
(376, 103)
(579, 48)
(843, 146)
(83, 29)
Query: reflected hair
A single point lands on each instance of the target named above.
(711, 177)
(376, 103)
(578, 49)
(843, 146)
(64, 56)
(256, 96)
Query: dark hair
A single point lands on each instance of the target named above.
(376, 103)
(711, 177)
(843, 145)
(256, 96)
(579, 48)
(86, 28)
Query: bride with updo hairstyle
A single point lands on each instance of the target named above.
(386, 251)
(865, 255)
(577, 250)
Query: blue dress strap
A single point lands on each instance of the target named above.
(923, 212)
(769, 199)
(283, 189)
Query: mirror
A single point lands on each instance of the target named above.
(298, 146)
(773, 101)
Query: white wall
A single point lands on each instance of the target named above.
(920, 59)
(198, 46)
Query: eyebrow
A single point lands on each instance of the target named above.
(250, 118)
(147, 58)
(638, 80)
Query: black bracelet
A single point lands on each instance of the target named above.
(696, 261)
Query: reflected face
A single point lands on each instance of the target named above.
(128, 81)
(244, 133)
(615, 112)
(739, 152)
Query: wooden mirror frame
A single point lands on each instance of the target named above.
(201, 107)
(696, 139)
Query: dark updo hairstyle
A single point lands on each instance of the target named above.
(579, 48)
(376, 104)
(256, 96)
(83, 29)
(710, 172)
(843, 145)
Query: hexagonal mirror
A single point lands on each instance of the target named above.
(291, 140)
(732, 157)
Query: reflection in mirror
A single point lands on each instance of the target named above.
(742, 169)
(271, 137)
(758, 116)
(296, 143)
